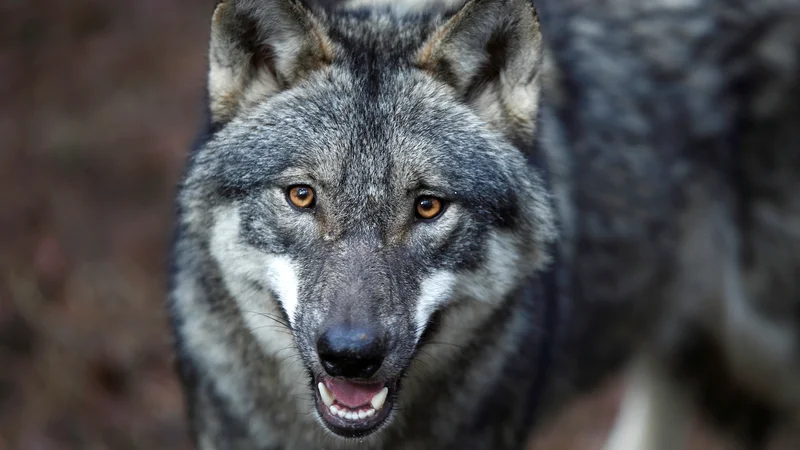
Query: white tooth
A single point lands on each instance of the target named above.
(362, 414)
(380, 398)
(334, 410)
(370, 413)
(341, 413)
(326, 395)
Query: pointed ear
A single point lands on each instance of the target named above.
(258, 48)
(490, 52)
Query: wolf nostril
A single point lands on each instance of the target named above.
(351, 352)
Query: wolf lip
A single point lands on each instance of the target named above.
(352, 409)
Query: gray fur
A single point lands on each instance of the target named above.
(666, 132)
(370, 126)
(672, 131)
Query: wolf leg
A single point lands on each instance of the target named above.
(654, 414)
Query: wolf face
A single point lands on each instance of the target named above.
(365, 174)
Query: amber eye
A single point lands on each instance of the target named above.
(429, 207)
(301, 197)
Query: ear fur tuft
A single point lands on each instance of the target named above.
(258, 48)
(490, 52)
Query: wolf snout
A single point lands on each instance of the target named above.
(351, 351)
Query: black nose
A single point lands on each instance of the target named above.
(351, 351)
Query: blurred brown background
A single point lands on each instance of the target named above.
(100, 102)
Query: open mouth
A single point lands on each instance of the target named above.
(353, 409)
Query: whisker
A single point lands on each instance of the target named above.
(272, 327)
(270, 316)
(428, 355)
(290, 365)
(445, 343)
(290, 347)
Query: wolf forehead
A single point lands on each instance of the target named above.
(407, 135)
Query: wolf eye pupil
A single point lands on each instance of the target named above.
(301, 197)
(429, 207)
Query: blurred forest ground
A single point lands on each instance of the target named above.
(100, 103)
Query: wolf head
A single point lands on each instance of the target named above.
(365, 173)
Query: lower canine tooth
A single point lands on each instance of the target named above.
(380, 398)
(326, 395)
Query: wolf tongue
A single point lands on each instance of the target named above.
(352, 395)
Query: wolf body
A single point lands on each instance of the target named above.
(672, 130)
(621, 214)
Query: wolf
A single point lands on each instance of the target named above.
(361, 233)
(435, 227)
